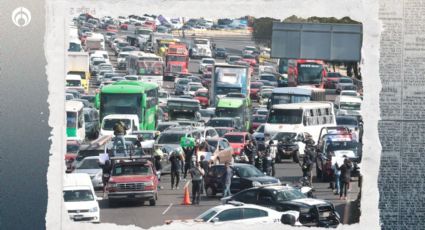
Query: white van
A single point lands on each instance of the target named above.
(75, 124)
(348, 105)
(73, 81)
(108, 122)
(304, 117)
(80, 198)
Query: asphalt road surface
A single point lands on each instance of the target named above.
(169, 206)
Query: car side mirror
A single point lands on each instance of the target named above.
(214, 220)
(288, 219)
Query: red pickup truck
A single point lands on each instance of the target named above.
(133, 180)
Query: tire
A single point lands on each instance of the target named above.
(210, 192)
(152, 202)
(112, 203)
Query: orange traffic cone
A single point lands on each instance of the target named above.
(186, 197)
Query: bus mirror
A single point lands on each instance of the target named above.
(97, 101)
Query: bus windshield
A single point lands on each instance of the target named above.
(310, 73)
(150, 68)
(285, 116)
(229, 112)
(120, 104)
(176, 58)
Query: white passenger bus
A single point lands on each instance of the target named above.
(75, 127)
(304, 117)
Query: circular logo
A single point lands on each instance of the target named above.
(21, 17)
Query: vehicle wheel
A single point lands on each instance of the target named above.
(112, 203)
(210, 191)
(152, 202)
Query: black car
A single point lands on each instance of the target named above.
(313, 212)
(244, 176)
(220, 53)
(90, 98)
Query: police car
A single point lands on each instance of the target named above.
(237, 212)
(282, 198)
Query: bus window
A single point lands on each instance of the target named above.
(71, 120)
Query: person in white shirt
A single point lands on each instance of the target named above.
(272, 148)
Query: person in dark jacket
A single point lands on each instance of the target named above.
(345, 178)
(250, 151)
(188, 162)
(259, 161)
(175, 160)
(205, 165)
(106, 174)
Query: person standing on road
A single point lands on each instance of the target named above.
(196, 174)
(188, 163)
(175, 160)
(227, 179)
(157, 157)
(337, 175)
(205, 165)
(106, 174)
(306, 167)
(272, 149)
(250, 152)
(345, 178)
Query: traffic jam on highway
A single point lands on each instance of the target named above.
(171, 121)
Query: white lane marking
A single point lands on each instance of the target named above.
(166, 210)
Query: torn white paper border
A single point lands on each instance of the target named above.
(365, 11)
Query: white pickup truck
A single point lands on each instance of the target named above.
(108, 122)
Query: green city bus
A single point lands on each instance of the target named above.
(130, 97)
(235, 107)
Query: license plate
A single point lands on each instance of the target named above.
(78, 217)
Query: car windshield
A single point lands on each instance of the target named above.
(220, 123)
(195, 87)
(208, 61)
(283, 136)
(108, 124)
(72, 83)
(346, 121)
(235, 138)
(136, 169)
(247, 56)
(71, 119)
(77, 195)
(183, 82)
(287, 195)
(248, 171)
(89, 164)
(220, 49)
(72, 148)
(129, 78)
(285, 116)
(349, 93)
(266, 93)
(162, 94)
(259, 119)
(122, 55)
(206, 215)
(345, 80)
(350, 105)
(256, 86)
(268, 77)
(334, 75)
(201, 94)
(170, 138)
(221, 132)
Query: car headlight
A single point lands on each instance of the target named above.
(150, 183)
(94, 209)
(256, 184)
